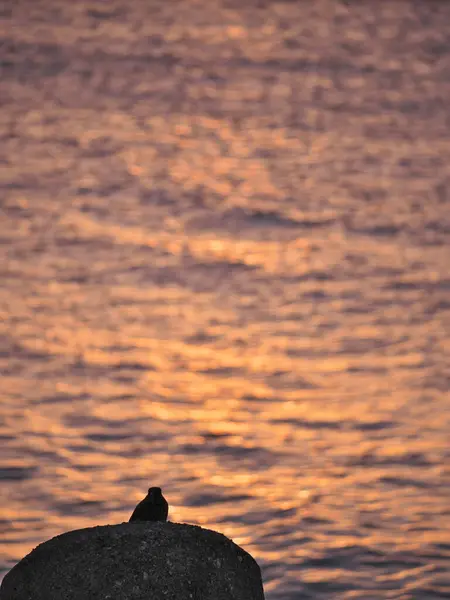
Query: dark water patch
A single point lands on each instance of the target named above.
(423, 285)
(137, 62)
(324, 65)
(306, 424)
(256, 459)
(78, 507)
(361, 345)
(81, 368)
(82, 448)
(255, 517)
(163, 276)
(393, 561)
(442, 546)
(221, 267)
(132, 366)
(98, 212)
(81, 420)
(34, 61)
(305, 352)
(376, 230)
(126, 379)
(409, 459)
(316, 521)
(295, 316)
(271, 219)
(70, 242)
(16, 211)
(439, 558)
(157, 197)
(60, 398)
(255, 398)
(4, 525)
(79, 278)
(12, 349)
(214, 436)
(124, 397)
(107, 437)
(404, 482)
(49, 457)
(374, 426)
(286, 380)
(405, 285)
(238, 219)
(311, 275)
(363, 308)
(222, 371)
(439, 227)
(205, 499)
(25, 182)
(357, 260)
(30, 61)
(323, 562)
(315, 295)
(283, 513)
(427, 592)
(104, 189)
(260, 218)
(338, 584)
(82, 468)
(366, 369)
(334, 557)
(8, 541)
(201, 337)
(120, 348)
(436, 307)
(17, 473)
(388, 272)
(106, 14)
(260, 458)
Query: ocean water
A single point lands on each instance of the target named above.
(225, 270)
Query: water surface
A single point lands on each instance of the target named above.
(224, 239)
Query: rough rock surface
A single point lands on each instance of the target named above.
(145, 561)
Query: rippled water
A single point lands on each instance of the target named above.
(225, 233)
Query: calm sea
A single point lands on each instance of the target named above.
(225, 270)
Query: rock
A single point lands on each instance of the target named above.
(136, 561)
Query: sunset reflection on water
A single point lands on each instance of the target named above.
(225, 272)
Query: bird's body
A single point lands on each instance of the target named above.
(153, 507)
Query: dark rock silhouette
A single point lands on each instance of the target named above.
(153, 507)
(136, 561)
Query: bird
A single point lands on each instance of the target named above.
(153, 507)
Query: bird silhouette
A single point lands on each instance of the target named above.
(153, 507)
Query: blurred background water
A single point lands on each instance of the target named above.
(225, 249)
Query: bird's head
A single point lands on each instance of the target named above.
(154, 492)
